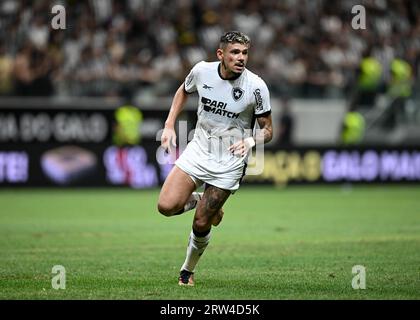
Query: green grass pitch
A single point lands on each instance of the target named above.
(291, 243)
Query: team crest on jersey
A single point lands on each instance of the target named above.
(237, 93)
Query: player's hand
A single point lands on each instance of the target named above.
(168, 139)
(242, 147)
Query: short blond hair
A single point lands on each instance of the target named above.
(234, 37)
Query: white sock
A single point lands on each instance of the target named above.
(196, 247)
(192, 201)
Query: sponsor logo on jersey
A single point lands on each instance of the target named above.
(207, 87)
(217, 107)
(237, 93)
(258, 100)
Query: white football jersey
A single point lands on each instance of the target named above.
(226, 113)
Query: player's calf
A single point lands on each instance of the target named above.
(209, 211)
(217, 218)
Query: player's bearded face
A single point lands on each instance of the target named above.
(234, 58)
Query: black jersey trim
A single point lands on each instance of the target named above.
(243, 173)
(263, 114)
(219, 68)
(185, 90)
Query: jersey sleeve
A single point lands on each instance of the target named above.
(262, 100)
(190, 83)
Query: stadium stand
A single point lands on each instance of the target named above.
(144, 48)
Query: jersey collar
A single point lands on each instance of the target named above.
(219, 67)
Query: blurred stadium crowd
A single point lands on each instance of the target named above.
(305, 48)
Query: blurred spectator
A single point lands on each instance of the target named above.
(399, 90)
(32, 72)
(353, 127)
(126, 47)
(6, 71)
(23, 72)
(368, 81)
(286, 125)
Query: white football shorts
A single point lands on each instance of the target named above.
(203, 168)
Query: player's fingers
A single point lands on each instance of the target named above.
(235, 146)
(238, 151)
(163, 140)
(166, 143)
(166, 147)
(244, 150)
(174, 140)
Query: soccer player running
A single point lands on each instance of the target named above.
(231, 98)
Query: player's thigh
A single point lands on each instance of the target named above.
(177, 188)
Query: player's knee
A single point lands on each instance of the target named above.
(164, 209)
(167, 209)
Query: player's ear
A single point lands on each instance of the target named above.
(219, 54)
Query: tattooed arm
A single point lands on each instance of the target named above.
(266, 127)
